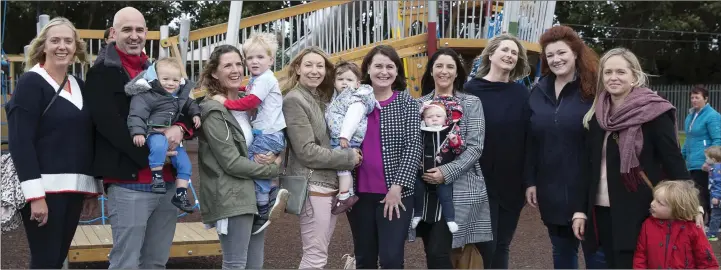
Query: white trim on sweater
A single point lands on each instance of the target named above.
(63, 182)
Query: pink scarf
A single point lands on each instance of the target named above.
(640, 106)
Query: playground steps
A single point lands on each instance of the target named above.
(92, 243)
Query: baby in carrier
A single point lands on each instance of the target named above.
(441, 144)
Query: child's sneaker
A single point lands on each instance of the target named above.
(342, 206)
(712, 238)
(158, 183)
(273, 210)
(181, 201)
(278, 202)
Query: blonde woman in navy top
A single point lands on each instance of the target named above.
(52, 152)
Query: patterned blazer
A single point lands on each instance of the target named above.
(470, 199)
(401, 146)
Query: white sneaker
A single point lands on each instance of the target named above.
(415, 221)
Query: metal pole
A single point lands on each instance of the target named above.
(164, 34)
(183, 38)
(42, 22)
(432, 44)
(236, 9)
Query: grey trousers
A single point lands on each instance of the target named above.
(143, 225)
(241, 250)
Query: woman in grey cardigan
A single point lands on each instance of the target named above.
(309, 89)
(444, 76)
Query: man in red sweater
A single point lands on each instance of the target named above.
(142, 222)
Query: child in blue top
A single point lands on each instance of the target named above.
(713, 158)
(263, 94)
(347, 117)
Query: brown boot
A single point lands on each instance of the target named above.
(342, 206)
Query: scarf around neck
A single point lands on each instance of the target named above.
(640, 106)
(133, 64)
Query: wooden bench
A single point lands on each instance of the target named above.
(92, 243)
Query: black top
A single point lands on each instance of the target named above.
(660, 159)
(60, 142)
(555, 147)
(505, 108)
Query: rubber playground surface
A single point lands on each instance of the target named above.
(530, 248)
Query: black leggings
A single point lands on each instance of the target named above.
(437, 242)
(503, 224)
(375, 238)
(50, 243)
(701, 179)
(615, 259)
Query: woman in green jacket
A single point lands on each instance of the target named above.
(227, 192)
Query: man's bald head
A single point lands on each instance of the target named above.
(129, 30)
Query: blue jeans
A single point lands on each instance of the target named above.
(565, 250)
(262, 144)
(714, 220)
(335, 144)
(158, 145)
(444, 192)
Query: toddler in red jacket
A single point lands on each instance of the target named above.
(669, 238)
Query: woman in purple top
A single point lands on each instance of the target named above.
(391, 154)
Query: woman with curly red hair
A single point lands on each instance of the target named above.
(555, 138)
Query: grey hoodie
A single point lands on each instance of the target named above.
(152, 106)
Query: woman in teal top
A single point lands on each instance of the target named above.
(703, 129)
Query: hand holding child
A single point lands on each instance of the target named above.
(139, 140)
(714, 201)
(344, 143)
(196, 121)
(219, 98)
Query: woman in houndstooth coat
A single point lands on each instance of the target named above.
(445, 76)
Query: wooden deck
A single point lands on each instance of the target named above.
(92, 243)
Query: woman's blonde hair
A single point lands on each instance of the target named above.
(633, 64)
(36, 54)
(681, 196)
(520, 71)
(325, 89)
(266, 41)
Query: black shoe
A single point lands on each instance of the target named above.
(158, 184)
(181, 201)
(260, 223)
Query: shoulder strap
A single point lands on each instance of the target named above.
(57, 92)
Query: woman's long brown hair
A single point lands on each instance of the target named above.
(586, 58)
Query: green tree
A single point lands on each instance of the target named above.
(677, 41)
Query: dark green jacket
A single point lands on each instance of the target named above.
(226, 173)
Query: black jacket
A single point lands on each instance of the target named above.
(505, 108)
(116, 156)
(660, 159)
(555, 147)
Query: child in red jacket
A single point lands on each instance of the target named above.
(670, 239)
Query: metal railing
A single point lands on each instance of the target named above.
(680, 97)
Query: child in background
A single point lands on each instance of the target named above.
(441, 144)
(347, 117)
(713, 158)
(682, 243)
(159, 96)
(263, 94)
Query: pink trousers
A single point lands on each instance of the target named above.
(316, 229)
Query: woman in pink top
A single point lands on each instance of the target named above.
(391, 156)
(632, 144)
